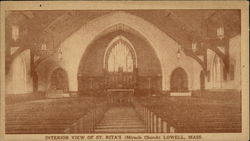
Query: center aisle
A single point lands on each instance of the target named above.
(121, 119)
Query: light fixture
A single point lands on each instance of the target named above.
(220, 32)
(202, 44)
(15, 32)
(220, 29)
(178, 53)
(59, 54)
(43, 47)
(194, 46)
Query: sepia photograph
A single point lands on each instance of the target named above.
(119, 71)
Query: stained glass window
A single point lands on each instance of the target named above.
(120, 58)
(217, 72)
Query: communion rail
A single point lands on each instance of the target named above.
(153, 123)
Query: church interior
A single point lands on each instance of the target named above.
(123, 71)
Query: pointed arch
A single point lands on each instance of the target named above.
(17, 76)
(123, 43)
(58, 80)
(179, 80)
(164, 46)
(217, 71)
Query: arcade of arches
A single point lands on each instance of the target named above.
(122, 55)
(137, 66)
(152, 60)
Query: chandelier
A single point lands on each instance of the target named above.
(59, 54)
(15, 32)
(220, 32)
(220, 29)
(178, 53)
(43, 49)
(194, 46)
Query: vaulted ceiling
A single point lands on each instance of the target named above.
(183, 26)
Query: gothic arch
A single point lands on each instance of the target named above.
(58, 80)
(164, 46)
(128, 44)
(217, 66)
(179, 80)
(19, 80)
(17, 76)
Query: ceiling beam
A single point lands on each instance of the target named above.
(213, 45)
(17, 52)
(28, 14)
(196, 58)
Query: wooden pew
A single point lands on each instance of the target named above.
(47, 116)
(191, 115)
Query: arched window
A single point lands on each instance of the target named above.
(217, 72)
(120, 56)
(179, 80)
(18, 76)
(59, 80)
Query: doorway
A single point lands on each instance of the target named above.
(179, 80)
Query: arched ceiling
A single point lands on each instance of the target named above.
(54, 26)
(92, 60)
(181, 25)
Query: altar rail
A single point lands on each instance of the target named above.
(87, 123)
(153, 123)
(120, 96)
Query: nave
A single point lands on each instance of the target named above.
(47, 115)
(121, 119)
(197, 115)
(142, 115)
(85, 71)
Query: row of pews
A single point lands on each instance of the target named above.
(51, 116)
(17, 98)
(195, 114)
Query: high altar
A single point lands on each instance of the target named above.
(120, 86)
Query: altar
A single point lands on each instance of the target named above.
(120, 96)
